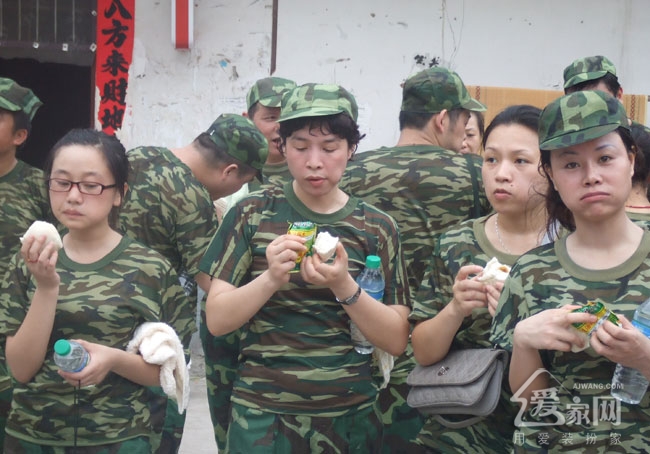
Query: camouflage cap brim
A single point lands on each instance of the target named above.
(268, 91)
(586, 69)
(16, 98)
(474, 105)
(316, 100)
(577, 137)
(436, 89)
(584, 77)
(579, 117)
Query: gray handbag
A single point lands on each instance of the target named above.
(465, 382)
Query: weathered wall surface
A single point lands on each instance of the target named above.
(369, 47)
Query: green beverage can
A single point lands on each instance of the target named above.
(307, 230)
(599, 310)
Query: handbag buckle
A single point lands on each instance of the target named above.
(442, 371)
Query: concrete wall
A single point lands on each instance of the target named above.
(369, 47)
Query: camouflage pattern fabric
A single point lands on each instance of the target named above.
(640, 219)
(579, 117)
(23, 200)
(14, 98)
(259, 432)
(268, 91)
(139, 445)
(221, 369)
(272, 174)
(170, 211)
(102, 302)
(587, 68)
(315, 100)
(297, 355)
(547, 278)
(239, 137)
(427, 190)
(436, 89)
(167, 208)
(401, 423)
(464, 245)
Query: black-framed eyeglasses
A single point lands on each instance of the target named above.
(85, 187)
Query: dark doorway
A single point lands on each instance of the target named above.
(65, 90)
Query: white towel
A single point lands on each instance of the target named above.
(159, 344)
(385, 362)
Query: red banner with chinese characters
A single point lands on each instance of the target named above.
(115, 32)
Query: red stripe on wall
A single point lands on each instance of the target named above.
(182, 24)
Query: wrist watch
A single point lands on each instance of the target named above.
(350, 300)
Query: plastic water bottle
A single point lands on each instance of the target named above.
(629, 385)
(70, 356)
(372, 281)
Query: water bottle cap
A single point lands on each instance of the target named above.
(373, 261)
(62, 347)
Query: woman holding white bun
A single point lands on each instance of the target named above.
(455, 305)
(96, 290)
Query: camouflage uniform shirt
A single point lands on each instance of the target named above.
(465, 245)
(102, 302)
(167, 208)
(426, 189)
(23, 200)
(272, 174)
(547, 278)
(297, 355)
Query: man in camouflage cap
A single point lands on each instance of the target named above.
(426, 186)
(263, 103)
(579, 117)
(23, 196)
(16, 98)
(592, 73)
(169, 207)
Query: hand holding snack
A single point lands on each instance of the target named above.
(494, 272)
(39, 228)
(586, 329)
(325, 245)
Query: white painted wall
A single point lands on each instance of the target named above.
(369, 47)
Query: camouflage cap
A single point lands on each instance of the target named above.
(14, 98)
(315, 100)
(579, 117)
(436, 89)
(240, 138)
(268, 91)
(587, 68)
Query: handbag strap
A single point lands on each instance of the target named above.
(457, 424)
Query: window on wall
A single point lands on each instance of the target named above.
(57, 31)
(56, 39)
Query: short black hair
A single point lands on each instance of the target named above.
(340, 124)
(418, 120)
(609, 79)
